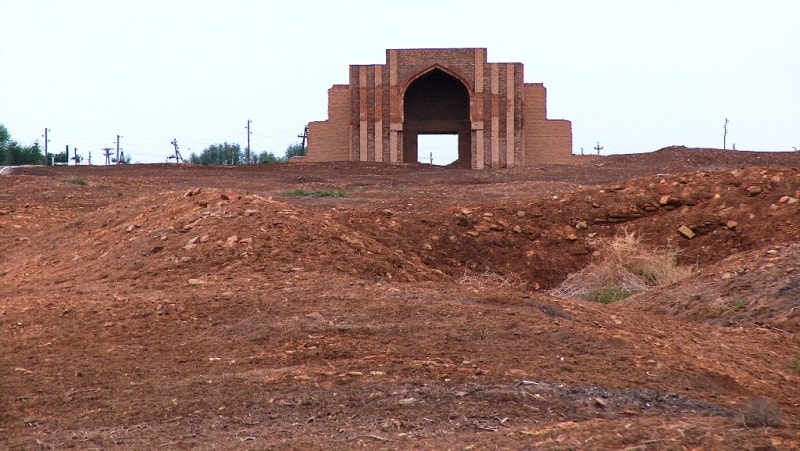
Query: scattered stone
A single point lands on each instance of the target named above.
(192, 243)
(427, 247)
(250, 212)
(686, 232)
(204, 238)
(355, 373)
(581, 225)
(407, 401)
(669, 200)
(195, 282)
(473, 233)
(520, 214)
(233, 239)
(726, 276)
(731, 224)
(387, 212)
(466, 212)
(517, 229)
(488, 215)
(753, 190)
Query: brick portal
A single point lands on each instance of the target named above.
(500, 120)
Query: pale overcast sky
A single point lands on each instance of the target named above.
(634, 75)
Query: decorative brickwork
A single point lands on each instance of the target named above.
(500, 121)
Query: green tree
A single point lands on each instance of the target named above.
(5, 136)
(217, 154)
(12, 153)
(295, 150)
(268, 158)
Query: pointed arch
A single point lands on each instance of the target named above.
(436, 102)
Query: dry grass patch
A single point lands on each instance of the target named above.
(626, 267)
(489, 279)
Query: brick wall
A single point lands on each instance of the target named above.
(330, 140)
(546, 140)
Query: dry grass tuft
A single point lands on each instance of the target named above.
(626, 267)
(489, 279)
(761, 413)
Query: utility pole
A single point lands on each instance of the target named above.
(598, 148)
(304, 136)
(107, 153)
(248, 140)
(178, 158)
(725, 135)
(46, 140)
(66, 152)
(118, 137)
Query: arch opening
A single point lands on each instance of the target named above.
(437, 150)
(437, 103)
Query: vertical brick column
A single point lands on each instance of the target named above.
(379, 113)
(477, 111)
(363, 113)
(395, 110)
(494, 148)
(509, 150)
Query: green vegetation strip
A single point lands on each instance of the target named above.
(77, 181)
(316, 193)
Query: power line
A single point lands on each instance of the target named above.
(248, 140)
(178, 158)
(725, 135)
(46, 140)
(304, 136)
(107, 154)
(117, 160)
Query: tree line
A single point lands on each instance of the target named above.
(13, 153)
(227, 153)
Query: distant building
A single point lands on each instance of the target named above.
(500, 120)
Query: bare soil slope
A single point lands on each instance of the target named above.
(204, 307)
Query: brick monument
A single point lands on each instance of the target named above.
(500, 120)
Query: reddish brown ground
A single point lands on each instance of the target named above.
(410, 314)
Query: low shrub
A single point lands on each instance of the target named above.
(626, 267)
(77, 181)
(761, 413)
